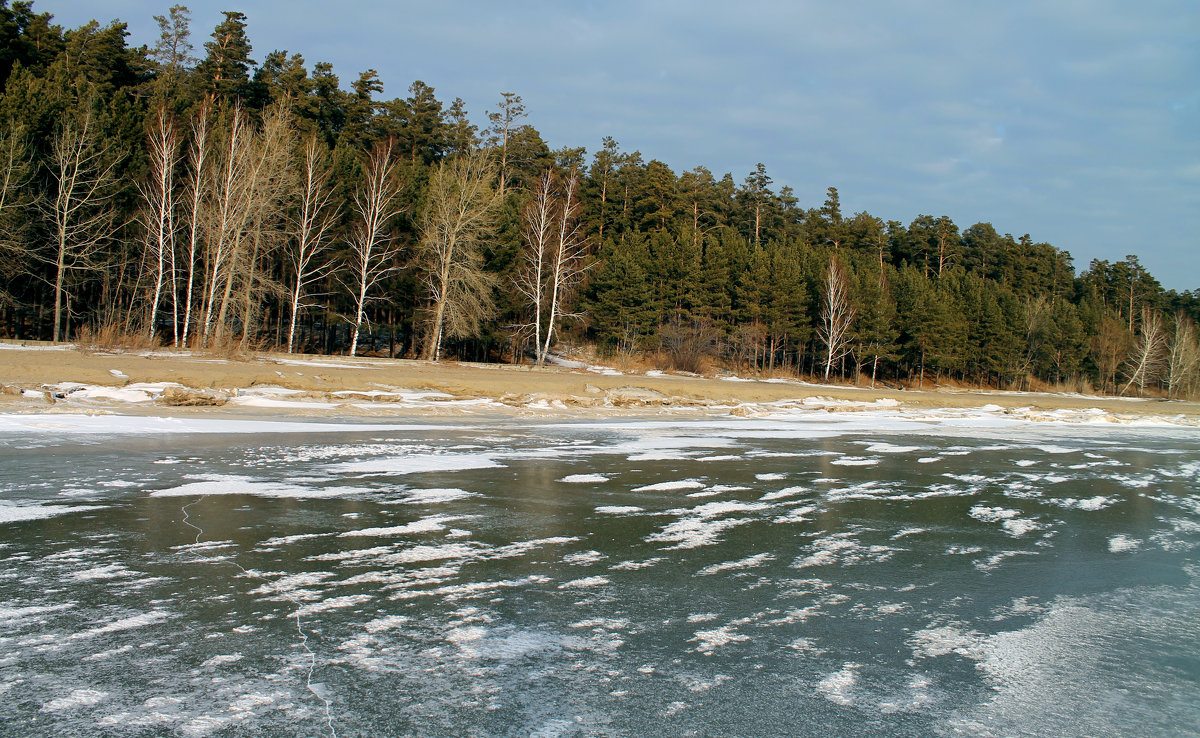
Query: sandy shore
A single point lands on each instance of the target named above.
(31, 375)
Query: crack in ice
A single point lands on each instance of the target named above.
(312, 664)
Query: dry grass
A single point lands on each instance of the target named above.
(235, 348)
(113, 338)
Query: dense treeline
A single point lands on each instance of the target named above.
(217, 200)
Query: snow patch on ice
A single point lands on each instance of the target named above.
(703, 525)
(711, 640)
(1122, 543)
(854, 461)
(417, 464)
(670, 486)
(430, 524)
(77, 698)
(16, 513)
(433, 496)
(1009, 519)
(783, 493)
(943, 640)
(595, 581)
(749, 562)
(584, 478)
(232, 484)
(889, 448)
(838, 687)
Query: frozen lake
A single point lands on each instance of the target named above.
(813, 574)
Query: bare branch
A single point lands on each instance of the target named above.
(373, 250)
(837, 315)
(313, 226)
(459, 219)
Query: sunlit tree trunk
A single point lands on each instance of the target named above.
(197, 174)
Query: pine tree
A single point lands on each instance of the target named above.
(226, 68)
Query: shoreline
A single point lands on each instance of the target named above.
(58, 378)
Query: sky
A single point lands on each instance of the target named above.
(1075, 121)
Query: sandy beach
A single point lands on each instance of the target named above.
(62, 378)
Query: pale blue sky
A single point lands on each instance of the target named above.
(1075, 121)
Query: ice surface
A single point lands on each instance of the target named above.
(595, 618)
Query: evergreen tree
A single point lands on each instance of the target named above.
(225, 70)
(619, 314)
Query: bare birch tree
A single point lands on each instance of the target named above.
(81, 212)
(1145, 361)
(312, 228)
(158, 209)
(837, 315)
(373, 250)
(1183, 357)
(16, 167)
(458, 220)
(197, 186)
(248, 184)
(271, 182)
(566, 257)
(225, 216)
(538, 218)
(1109, 346)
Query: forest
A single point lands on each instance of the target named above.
(185, 194)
